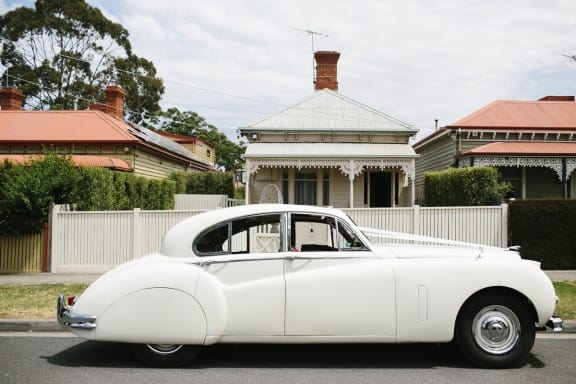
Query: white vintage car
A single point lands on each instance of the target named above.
(302, 274)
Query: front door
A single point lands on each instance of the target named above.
(380, 189)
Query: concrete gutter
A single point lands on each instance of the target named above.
(9, 325)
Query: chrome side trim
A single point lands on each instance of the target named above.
(285, 256)
(224, 259)
(73, 320)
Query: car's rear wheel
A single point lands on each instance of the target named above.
(166, 355)
(496, 330)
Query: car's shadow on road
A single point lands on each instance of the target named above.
(361, 356)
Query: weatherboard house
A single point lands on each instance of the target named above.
(531, 143)
(330, 150)
(99, 137)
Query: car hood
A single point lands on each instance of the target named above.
(427, 251)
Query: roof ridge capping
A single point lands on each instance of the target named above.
(548, 112)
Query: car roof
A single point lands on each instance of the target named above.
(177, 241)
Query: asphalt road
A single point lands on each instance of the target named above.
(50, 358)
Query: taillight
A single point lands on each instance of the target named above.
(71, 300)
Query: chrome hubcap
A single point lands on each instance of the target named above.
(496, 329)
(164, 349)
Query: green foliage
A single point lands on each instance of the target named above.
(204, 183)
(188, 123)
(545, 231)
(95, 190)
(27, 192)
(240, 192)
(472, 186)
(64, 51)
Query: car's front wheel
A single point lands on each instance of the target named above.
(496, 330)
(165, 355)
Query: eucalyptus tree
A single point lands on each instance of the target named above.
(188, 123)
(62, 53)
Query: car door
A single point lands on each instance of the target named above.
(242, 284)
(335, 286)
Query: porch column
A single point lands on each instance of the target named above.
(351, 178)
(247, 190)
(351, 168)
(412, 192)
(251, 169)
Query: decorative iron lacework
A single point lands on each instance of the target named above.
(570, 167)
(350, 168)
(547, 162)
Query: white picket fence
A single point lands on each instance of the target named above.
(479, 225)
(195, 202)
(94, 242)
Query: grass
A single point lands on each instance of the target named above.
(566, 291)
(39, 301)
(34, 301)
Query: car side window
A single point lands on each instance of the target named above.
(252, 234)
(314, 233)
(212, 242)
(348, 240)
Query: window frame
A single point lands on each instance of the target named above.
(229, 223)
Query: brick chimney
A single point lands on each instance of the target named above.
(115, 101)
(11, 99)
(326, 70)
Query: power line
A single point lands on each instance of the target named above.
(295, 107)
(182, 84)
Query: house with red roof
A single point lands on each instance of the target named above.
(98, 137)
(532, 143)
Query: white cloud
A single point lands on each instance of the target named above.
(416, 60)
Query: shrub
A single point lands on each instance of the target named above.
(204, 183)
(462, 187)
(545, 231)
(28, 191)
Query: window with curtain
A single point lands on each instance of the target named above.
(305, 187)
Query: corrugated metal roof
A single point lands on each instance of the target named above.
(78, 160)
(83, 127)
(62, 126)
(328, 150)
(330, 111)
(522, 114)
(523, 149)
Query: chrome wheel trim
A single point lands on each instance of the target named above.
(164, 349)
(496, 329)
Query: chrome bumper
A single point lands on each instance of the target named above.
(73, 320)
(555, 323)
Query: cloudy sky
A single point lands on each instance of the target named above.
(234, 62)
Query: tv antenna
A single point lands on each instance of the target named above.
(312, 33)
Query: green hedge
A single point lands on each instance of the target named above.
(28, 191)
(545, 229)
(462, 187)
(204, 183)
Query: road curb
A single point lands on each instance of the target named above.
(53, 326)
(11, 325)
